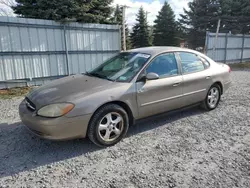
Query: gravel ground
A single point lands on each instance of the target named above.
(191, 148)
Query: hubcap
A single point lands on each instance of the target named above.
(111, 126)
(213, 97)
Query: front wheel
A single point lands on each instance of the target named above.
(213, 98)
(108, 125)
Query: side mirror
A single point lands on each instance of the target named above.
(142, 78)
(152, 76)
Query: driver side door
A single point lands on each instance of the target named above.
(163, 94)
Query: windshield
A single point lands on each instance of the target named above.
(122, 67)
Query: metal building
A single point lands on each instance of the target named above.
(34, 51)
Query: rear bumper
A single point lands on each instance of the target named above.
(61, 128)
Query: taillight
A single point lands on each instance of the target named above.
(228, 68)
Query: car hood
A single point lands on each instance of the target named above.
(67, 89)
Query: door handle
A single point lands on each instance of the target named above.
(208, 77)
(176, 84)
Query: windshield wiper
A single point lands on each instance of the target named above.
(87, 73)
(99, 76)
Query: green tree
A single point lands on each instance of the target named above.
(165, 29)
(235, 16)
(117, 15)
(181, 32)
(88, 11)
(117, 19)
(202, 16)
(140, 32)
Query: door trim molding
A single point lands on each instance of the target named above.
(171, 98)
(162, 100)
(198, 91)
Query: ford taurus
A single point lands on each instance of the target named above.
(101, 104)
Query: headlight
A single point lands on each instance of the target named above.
(55, 110)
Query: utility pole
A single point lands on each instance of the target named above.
(216, 37)
(123, 26)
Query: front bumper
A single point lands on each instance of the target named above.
(62, 128)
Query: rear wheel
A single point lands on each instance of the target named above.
(108, 125)
(213, 97)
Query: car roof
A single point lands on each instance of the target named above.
(154, 50)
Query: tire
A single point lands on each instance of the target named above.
(207, 104)
(108, 125)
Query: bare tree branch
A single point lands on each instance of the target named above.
(5, 7)
(8, 3)
(3, 12)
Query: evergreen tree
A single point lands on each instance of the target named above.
(140, 33)
(235, 16)
(202, 16)
(117, 16)
(181, 32)
(165, 29)
(87, 11)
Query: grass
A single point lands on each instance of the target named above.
(240, 65)
(14, 92)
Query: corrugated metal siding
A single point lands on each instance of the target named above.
(36, 49)
(229, 48)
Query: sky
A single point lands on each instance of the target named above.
(151, 6)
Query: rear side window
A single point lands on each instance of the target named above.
(206, 63)
(190, 62)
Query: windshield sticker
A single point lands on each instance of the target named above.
(123, 78)
(144, 55)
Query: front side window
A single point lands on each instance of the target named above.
(163, 65)
(190, 62)
(122, 67)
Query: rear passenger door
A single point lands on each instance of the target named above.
(196, 77)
